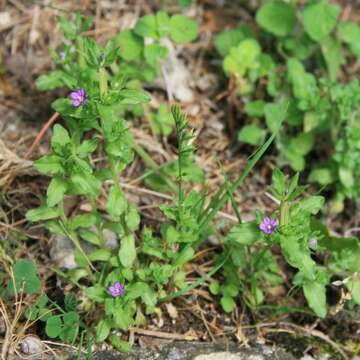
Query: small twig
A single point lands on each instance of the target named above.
(41, 134)
(161, 334)
(206, 324)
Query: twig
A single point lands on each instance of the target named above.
(161, 334)
(41, 134)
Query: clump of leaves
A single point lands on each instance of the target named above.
(306, 245)
(297, 60)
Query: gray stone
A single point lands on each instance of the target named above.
(198, 351)
(31, 345)
(62, 250)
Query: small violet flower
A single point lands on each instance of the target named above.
(268, 226)
(116, 290)
(78, 97)
(312, 243)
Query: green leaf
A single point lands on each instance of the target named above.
(319, 19)
(315, 294)
(71, 318)
(182, 29)
(214, 287)
(50, 81)
(227, 39)
(53, 326)
(278, 182)
(42, 213)
(311, 204)
(255, 108)
(346, 177)
(25, 277)
(251, 134)
(84, 220)
(86, 184)
(184, 256)
(163, 121)
(127, 251)
(71, 327)
(297, 162)
(119, 344)
(323, 176)
(333, 55)
(349, 32)
(132, 218)
(297, 257)
(147, 27)
(227, 303)
(102, 330)
(163, 23)
(130, 44)
(116, 203)
(277, 17)
(56, 191)
(230, 290)
(60, 138)
(242, 58)
(154, 53)
(133, 97)
(303, 143)
(258, 295)
(100, 255)
(293, 183)
(96, 293)
(122, 318)
(90, 237)
(244, 233)
(87, 147)
(49, 164)
(303, 83)
(275, 114)
(92, 52)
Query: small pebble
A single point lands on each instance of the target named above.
(31, 345)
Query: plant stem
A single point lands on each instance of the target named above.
(284, 212)
(80, 51)
(103, 84)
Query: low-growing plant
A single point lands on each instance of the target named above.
(133, 60)
(306, 245)
(122, 282)
(134, 56)
(297, 57)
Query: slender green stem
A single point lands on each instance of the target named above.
(284, 212)
(80, 52)
(220, 203)
(103, 83)
(72, 235)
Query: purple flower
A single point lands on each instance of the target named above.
(116, 290)
(268, 226)
(78, 97)
(313, 243)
